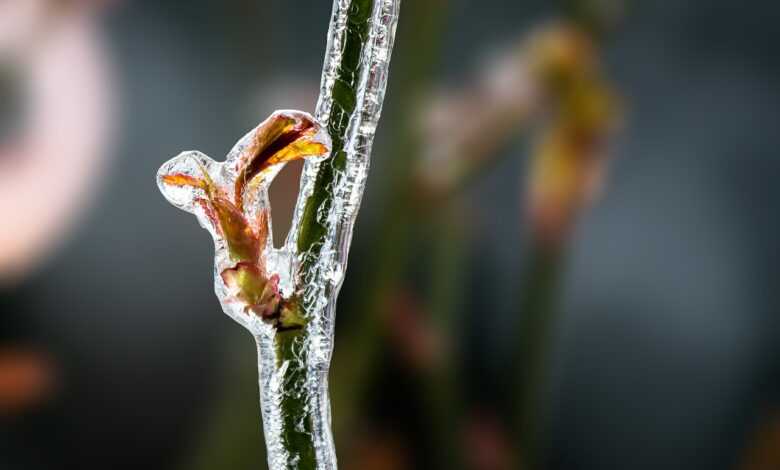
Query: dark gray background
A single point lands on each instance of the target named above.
(667, 349)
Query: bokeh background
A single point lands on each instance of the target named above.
(659, 341)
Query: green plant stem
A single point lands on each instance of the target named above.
(230, 435)
(440, 385)
(540, 293)
(538, 309)
(346, 98)
(297, 426)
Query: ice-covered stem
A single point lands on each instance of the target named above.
(286, 297)
(354, 80)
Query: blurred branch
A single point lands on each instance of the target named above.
(598, 17)
(230, 435)
(440, 387)
(359, 347)
(567, 167)
(464, 131)
(531, 78)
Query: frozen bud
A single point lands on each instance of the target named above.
(231, 201)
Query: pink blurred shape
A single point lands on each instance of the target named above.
(48, 168)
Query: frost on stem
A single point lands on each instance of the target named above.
(286, 297)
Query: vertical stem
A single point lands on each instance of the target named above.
(538, 307)
(418, 46)
(442, 396)
(294, 364)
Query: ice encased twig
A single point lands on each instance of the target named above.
(295, 369)
(197, 184)
(323, 280)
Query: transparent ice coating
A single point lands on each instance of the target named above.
(277, 262)
(297, 372)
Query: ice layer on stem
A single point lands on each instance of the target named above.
(287, 297)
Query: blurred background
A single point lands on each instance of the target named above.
(565, 258)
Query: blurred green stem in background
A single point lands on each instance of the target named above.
(441, 391)
(567, 167)
(231, 435)
(360, 343)
(538, 303)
